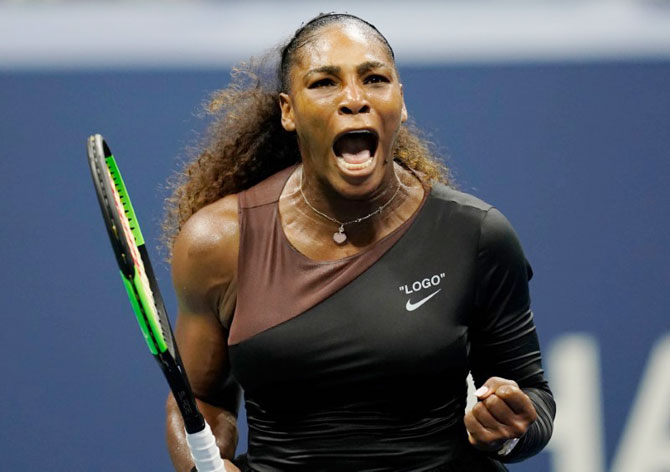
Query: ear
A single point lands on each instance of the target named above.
(403, 113)
(286, 106)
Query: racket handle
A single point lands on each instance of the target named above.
(204, 451)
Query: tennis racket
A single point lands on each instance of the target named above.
(145, 298)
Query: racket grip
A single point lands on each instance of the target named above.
(204, 451)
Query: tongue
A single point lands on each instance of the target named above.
(357, 158)
(354, 149)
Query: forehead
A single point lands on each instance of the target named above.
(340, 44)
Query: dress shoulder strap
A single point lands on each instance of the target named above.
(265, 192)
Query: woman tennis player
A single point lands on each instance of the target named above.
(322, 262)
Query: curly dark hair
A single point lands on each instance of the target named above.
(246, 143)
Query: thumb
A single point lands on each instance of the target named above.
(490, 386)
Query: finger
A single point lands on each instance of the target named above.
(499, 409)
(511, 424)
(491, 386)
(495, 430)
(517, 400)
(229, 466)
(485, 418)
(478, 435)
(476, 431)
(472, 425)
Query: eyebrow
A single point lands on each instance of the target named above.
(334, 70)
(370, 65)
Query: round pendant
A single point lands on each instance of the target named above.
(339, 237)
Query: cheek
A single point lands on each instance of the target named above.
(391, 104)
(392, 114)
(311, 121)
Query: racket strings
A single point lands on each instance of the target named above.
(125, 202)
(122, 204)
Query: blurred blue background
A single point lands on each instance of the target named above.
(559, 114)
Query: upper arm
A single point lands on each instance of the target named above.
(504, 342)
(503, 336)
(204, 268)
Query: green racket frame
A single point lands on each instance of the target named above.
(138, 277)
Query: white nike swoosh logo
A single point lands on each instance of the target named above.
(413, 306)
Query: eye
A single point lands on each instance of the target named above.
(321, 83)
(376, 79)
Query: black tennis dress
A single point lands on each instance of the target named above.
(360, 364)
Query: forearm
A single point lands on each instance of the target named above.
(222, 422)
(540, 431)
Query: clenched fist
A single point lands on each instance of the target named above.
(503, 412)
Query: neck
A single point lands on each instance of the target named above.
(321, 198)
(314, 235)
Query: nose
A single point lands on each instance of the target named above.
(354, 101)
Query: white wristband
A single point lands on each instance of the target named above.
(508, 446)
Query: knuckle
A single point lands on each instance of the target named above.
(480, 435)
(475, 430)
(510, 433)
(509, 391)
(503, 382)
(517, 429)
(496, 381)
(490, 436)
(479, 412)
(470, 421)
(492, 402)
(504, 432)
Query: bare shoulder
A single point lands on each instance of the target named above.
(204, 256)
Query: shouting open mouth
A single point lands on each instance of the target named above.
(355, 150)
